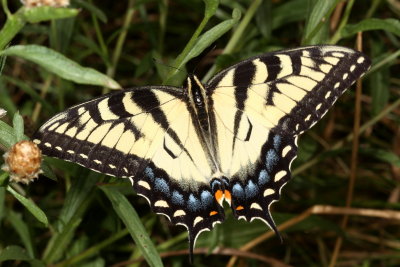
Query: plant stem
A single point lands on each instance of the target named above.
(13, 25)
(348, 138)
(93, 250)
(178, 61)
(120, 41)
(5, 8)
(237, 35)
(338, 34)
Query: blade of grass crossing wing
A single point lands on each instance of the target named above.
(134, 225)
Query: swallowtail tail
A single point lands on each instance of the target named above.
(187, 150)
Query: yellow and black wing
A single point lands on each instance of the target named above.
(262, 105)
(148, 135)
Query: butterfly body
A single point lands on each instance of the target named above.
(188, 150)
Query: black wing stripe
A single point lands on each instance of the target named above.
(273, 64)
(241, 92)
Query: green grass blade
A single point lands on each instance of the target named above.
(30, 90)
(17, 253)
(92, 9)
(14, 253)
(133, 223)
(318, 17)
(383, 155)
(76, 202)
(288, 12)
(390, 25)
(22, 229)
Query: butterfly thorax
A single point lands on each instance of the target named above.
(197, 99)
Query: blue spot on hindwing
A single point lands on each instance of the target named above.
(263, 177)
(177, 198)
(215, 185)
(161, 185)
(206, 198)
(193, 203)
(277, 142)
(251, 189)
(237, 191)
(271, 159)
(148, 172)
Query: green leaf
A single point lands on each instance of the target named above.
(60, 65)
(211, 7)
(30, 205)
(26, 86)
(76, 202)
(390, 25)
(92, 9)
(19, 254)
(60, 241)
(383, 155)
(18, 125)
(263, 19)
(2, 64)
(4, 178)
(318, 17)
(6, 102)
(22, 229)
(7, 135)
(380, 90)
(207, 38)
(14, 253)
(2, 196)
(47, 171)
(134, 225)
(43, 13)
(288, 12)
(379, 81)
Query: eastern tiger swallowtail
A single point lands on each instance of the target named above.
(186, 150)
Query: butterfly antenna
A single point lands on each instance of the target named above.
(166, 65)
(204, 57)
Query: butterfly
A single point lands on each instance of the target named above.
(188, 150)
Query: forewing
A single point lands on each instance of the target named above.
(260, 107)
(146, 134)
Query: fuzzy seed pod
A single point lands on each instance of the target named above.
(23, 161)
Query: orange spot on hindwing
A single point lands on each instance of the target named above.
(228, 196)
(219, 196)
(213, 213)
(239, 208)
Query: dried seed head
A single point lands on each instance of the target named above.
(37, 3)
(23, 161)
